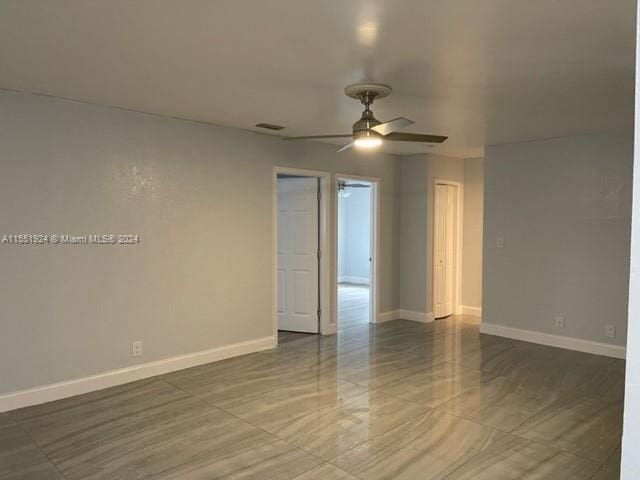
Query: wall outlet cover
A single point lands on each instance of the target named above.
(136, 348)
(559, 321)
(610, 331)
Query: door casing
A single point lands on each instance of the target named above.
(374, 287)
(324, 244)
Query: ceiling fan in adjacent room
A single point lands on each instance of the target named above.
(368, 132)
(343, 185)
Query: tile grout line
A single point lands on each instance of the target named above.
(307, 414)
(331, 462)
(604, 463)
(308, 470)
(53, 464)
(327, 462)
(237, 417)
(431, 410)
(564, 450)
(510, 432)
(464, 463)
(359, 444)
(570, 391)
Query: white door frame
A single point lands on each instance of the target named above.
(457, 269)
(374, 287)
(323, 215)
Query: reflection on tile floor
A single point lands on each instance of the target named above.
(399, 400)
(353, 304)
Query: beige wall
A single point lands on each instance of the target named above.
(472, 232)
(441, 168)
(200, 198)
(413, 233)
(563, 207)
(418, 176)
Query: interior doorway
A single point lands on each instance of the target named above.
(446, 248)
(299, 303)
(356, 246)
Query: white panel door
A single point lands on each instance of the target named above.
(444, 250)
(449, 251)
(298, 254)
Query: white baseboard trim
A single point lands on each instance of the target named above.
(468, 310)
(386, 316)
(328, 329)
(569, 343)
(351, 279)
(78, 386)
(415, 316)
(401, 314)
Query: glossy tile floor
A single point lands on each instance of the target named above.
(353, 304)
(400, 400)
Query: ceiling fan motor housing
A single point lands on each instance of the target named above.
(362, 128)
(366, 93)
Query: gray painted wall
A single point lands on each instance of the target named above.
(472, 232)
(563, 207)
(441, 168)
(418, 175)
(413, 233)
(200, 198)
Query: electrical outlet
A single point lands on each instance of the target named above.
(500, 242)
(136, 348)
(559, 321)
(610, 331)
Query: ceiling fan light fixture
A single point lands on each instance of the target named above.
(367, 142)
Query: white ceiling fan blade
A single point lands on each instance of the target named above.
(392, 125)
(345, 147)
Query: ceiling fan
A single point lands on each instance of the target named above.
(368, 132)
(343, 185)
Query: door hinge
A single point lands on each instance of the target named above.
(319, 195)
(319, 254)
(319, 313)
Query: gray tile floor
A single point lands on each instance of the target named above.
(400, 400)
(353, 304)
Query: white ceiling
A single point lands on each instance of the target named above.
(480, 71)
